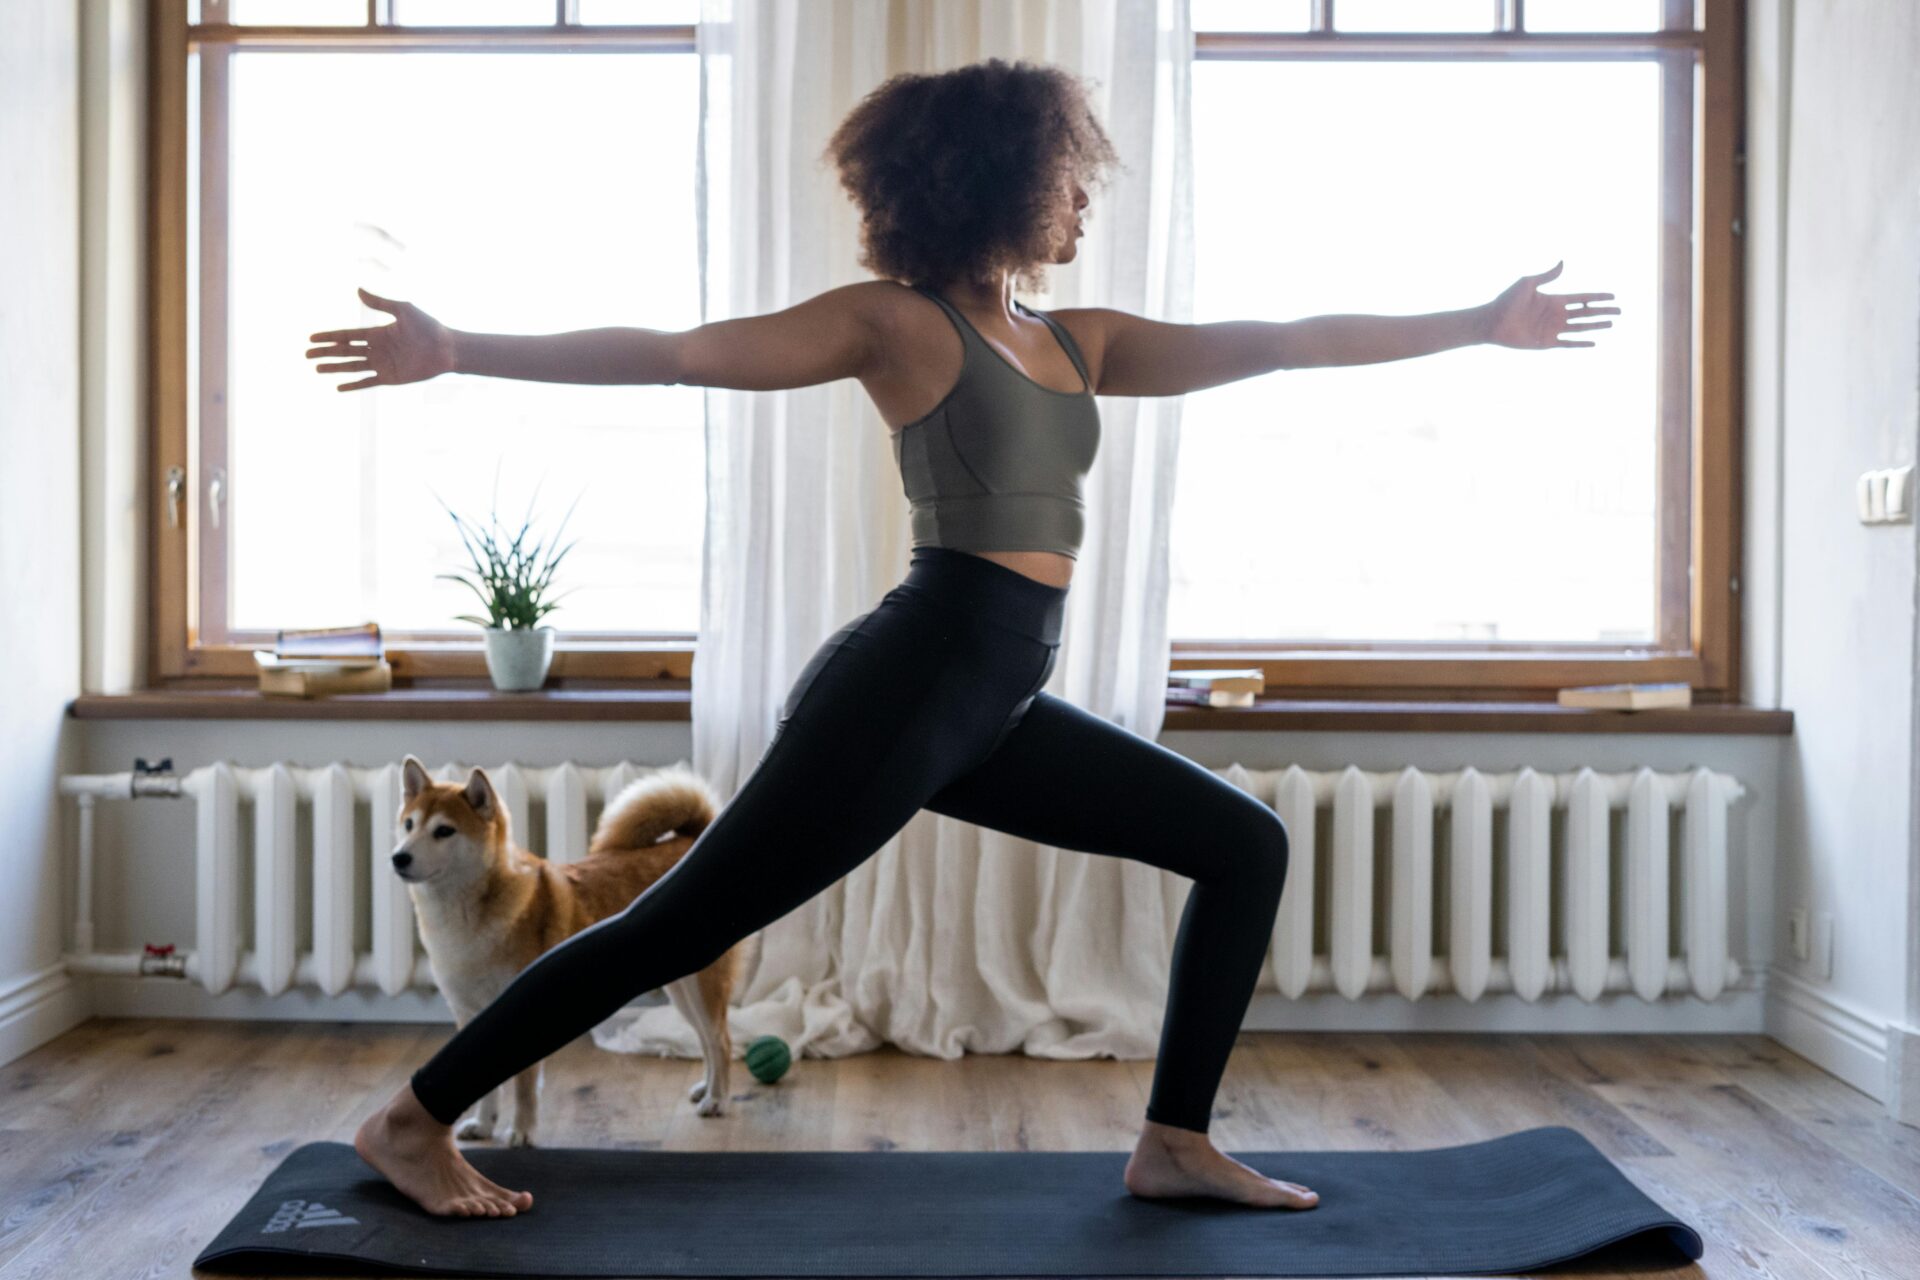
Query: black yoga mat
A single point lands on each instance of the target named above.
(1514, 1203)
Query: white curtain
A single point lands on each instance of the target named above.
(952, 938)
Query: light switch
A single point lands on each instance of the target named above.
(1899, 499)
(1885, 495)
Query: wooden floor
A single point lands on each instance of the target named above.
(126, 1144)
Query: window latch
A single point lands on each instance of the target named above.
(176, 486)
(216, 490)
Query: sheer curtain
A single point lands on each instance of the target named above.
(952, 938)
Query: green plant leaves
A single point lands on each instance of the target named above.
(510, 579)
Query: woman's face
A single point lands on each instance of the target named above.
(1068, 225)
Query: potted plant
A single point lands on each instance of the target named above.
(515, 579)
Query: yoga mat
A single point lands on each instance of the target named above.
(1513, 1203)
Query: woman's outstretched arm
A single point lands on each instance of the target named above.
(1134, 356)
(829, 336)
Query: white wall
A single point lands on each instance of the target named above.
(39, 502)
(1836, 101)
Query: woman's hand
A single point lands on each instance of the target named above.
(413, 348)
(1523, 317)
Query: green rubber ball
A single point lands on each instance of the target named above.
(768, 1058)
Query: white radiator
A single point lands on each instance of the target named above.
(272, 795)
(1607, 942)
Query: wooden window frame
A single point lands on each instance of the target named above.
(1699, 396)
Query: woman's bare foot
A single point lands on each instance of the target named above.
(1169, 1161)
(419, 1157)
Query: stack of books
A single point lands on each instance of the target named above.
(1628, 697)
(317, 661)
(1215, 686)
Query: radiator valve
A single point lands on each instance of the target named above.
(153, 779)
(161, 962)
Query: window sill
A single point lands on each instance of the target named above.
(671, 700)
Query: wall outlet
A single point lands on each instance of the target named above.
(1823, 944)
(1797, 932)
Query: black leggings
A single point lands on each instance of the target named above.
(929, 700)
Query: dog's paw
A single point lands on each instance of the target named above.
(698, 1091)
(473, 1129)
(515, 1138)
(712, 1106)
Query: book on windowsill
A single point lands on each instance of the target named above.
(361, 642)
(1215, 686)
(1627, 697)
(314, 678)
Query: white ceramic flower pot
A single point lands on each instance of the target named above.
(518, 658)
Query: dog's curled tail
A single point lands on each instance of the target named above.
(675, 800)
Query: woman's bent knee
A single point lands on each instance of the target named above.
(1270, 849)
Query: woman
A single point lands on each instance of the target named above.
(969, 182)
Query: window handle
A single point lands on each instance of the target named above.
(176, 485)
(216, 489)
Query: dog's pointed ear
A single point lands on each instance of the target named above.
(413, 775)
(479, 792)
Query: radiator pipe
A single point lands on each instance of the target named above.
(186, 965)
(88, 788)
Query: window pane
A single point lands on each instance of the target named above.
(493, 218)
(298, 13)
(1592, 15)
(1478, 493)
(629, 12)
(473, 13)
(1252, 15)
(1413, 15)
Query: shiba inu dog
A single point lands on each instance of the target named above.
(486, 909)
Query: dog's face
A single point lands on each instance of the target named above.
(446, 833)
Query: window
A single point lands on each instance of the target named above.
(1479, 523)
(352, 151)
(1483, 521)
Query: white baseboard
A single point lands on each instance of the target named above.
(117, 996)
(1903, 1073)
(1829, 1032)
(1738, 1010)
(37, 1007)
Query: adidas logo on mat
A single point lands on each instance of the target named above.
(306, 1213)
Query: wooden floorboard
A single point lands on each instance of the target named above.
(126, 1144)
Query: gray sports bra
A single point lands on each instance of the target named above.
(998, 464)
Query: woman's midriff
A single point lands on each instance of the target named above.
(1049, 567)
